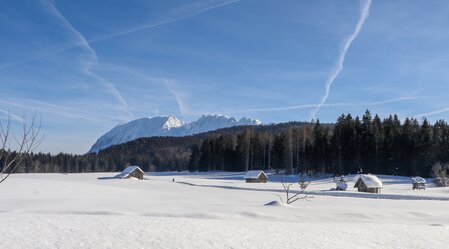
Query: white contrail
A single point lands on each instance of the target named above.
(92, 61)
(432, 113)
(60, 110)
(12, 116)
(364, 12)
(63, 47)
(190, 13)
(307, 106)
(169, 84)
(178, 96)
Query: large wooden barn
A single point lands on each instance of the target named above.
(368, 183)
(255, 176)
(131, 171)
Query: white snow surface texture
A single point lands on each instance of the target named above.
(166, 126)
(214, 210)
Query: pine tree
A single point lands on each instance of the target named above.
(425, 148)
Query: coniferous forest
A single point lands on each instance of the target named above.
(350, 145)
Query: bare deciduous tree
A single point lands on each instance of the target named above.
(290, 198)
(16, 146)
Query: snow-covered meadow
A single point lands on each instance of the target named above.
(215, 210)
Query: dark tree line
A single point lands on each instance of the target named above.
(368, 144)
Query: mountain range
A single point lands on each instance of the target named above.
(166, 126)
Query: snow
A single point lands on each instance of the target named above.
(166, 126)
(371, 181)
(418, 179)
(213, 122)
(250, 121)
(275, 203)
(215, 210)
(342, 185)
(253, 174)
(172, 123)
(144, 127)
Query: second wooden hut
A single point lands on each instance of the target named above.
(368, 183)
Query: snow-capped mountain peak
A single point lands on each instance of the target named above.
(250, 121)
(172, 122)
(166, 126)
(212, 122)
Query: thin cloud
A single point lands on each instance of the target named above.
(53, 50)
(92, 61)
(59, 110)
(170, 84)
(364, 12)
(308, 106)
(8, 114)
(186, 12)
(432, 113)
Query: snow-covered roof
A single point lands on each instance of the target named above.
(253, 174)
(418, 179)
(128, 171)
(371, 181)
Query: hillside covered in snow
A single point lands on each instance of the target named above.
(166, 126)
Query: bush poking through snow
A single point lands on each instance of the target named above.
(341, 183)
(289, 197)
(440, 174)
(303, 183)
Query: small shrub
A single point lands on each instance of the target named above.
(440, 174)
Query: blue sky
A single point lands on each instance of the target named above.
(85, 66)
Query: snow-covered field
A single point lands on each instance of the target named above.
(214, 210)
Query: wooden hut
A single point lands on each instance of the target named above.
(255, 176)
(368, 183)
(418, 183)
(131, 171)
